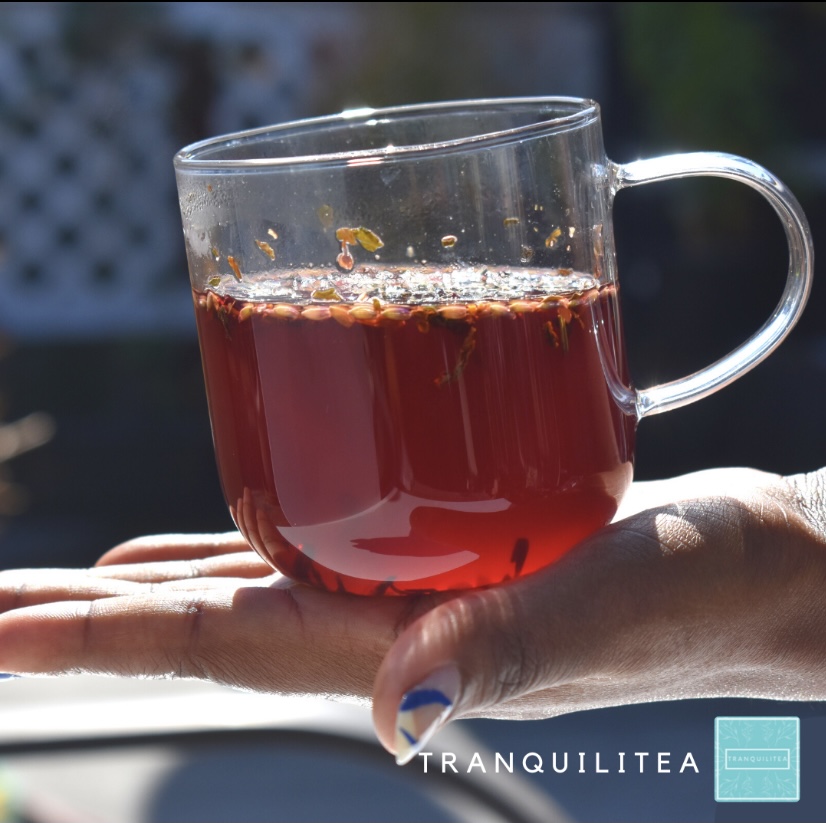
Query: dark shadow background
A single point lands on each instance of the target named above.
(702, 263)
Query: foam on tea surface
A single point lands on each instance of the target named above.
(411, 286)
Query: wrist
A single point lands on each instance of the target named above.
(796, 637)
(808, 491)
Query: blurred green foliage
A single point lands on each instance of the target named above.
(708, 74)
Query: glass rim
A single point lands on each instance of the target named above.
(190, 157)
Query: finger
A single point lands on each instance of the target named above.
(173, 547)
(615, 607)
(702, 484)
(213, 583)
(243, 564)
(478, 650)
(285, 639)
(20, 588)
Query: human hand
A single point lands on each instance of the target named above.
(710, 585)
(199, 607)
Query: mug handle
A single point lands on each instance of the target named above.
(686, 390)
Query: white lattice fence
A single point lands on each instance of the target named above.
(90, 236)
(87, 220)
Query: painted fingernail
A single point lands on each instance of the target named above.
(424, 710)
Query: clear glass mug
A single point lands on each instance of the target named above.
(411, 337)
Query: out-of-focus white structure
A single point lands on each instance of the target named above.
(96, 98)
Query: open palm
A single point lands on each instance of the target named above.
(709, 584)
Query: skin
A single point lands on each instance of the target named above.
(707, 585)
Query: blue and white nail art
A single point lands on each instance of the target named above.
(423, 711)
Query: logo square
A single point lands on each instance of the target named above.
(757, 759)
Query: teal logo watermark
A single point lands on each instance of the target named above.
(756, 759)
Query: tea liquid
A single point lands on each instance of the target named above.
(376, 448)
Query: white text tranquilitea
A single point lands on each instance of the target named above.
(561, 762)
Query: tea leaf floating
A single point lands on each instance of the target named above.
(519, 554)
(368, 240)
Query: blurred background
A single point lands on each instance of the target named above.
(104, 432)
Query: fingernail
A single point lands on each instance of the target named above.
(424, 710)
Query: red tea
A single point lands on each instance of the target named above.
(379, 448)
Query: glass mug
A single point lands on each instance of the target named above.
(411, 338)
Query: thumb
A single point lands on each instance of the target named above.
(624, 616)
(678, 600)
(484, 649)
